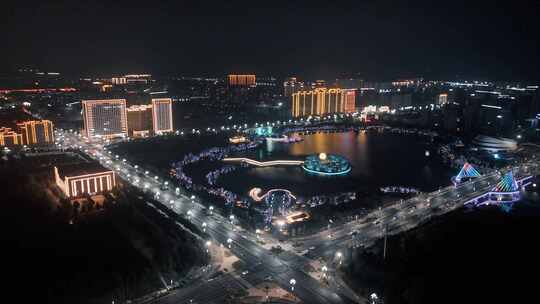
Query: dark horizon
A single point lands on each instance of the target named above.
(372, 39)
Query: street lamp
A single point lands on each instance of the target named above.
(280, 225)
(292, 282)
(373, 298)
(258, 232)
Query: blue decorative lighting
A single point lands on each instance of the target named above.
(507, 184)
(326, 164)
(467, 171)
(264, 131)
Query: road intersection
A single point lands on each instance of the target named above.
(261, 263)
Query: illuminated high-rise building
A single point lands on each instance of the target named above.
(266, 81)
(105, 118)
(442, 99)
(8, 137)
(138, 78)
(349, 83)
(119, 80)
(318, 84)
(37, 132)
(349, 101)
(132, 79)
(292, 86)
(162, 115)
(323, 101)
(241, 80)
(139, 120)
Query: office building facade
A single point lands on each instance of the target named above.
(349, 100)
(139, 120)
(291, 86)
(105, 118)
(323, 101)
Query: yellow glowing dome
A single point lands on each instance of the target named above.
(322, 156)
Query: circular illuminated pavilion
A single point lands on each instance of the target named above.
(326, 164)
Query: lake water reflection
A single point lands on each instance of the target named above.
(377, 159)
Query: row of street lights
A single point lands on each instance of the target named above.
(229, 241)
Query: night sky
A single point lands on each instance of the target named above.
(495, 40)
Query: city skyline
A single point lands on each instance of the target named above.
(368, 152)
(366, 40)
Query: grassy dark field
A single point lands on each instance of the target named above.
(477, 256)
(116, 252)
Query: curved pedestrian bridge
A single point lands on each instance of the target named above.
(265, 163)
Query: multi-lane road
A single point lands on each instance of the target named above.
(260, 263)
(404, 215)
